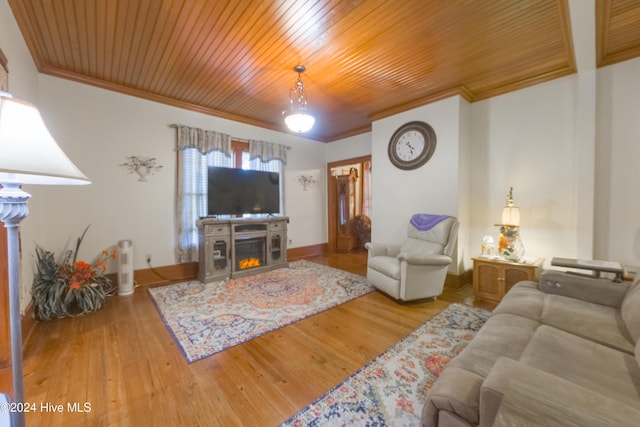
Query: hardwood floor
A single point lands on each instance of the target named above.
(123, 363)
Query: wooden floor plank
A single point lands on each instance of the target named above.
(123, 361)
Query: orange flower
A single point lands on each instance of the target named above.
(102, 265)
(74, 285)
(81, 265)
(502, 243)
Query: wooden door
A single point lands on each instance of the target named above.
(345, 213)
(338, 240)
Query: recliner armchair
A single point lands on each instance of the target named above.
(417, 268)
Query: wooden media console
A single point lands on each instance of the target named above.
(240, 247)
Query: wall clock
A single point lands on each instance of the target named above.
(412, 145)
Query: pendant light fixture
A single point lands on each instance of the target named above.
(297, 118)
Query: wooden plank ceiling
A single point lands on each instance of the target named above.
(365, 59)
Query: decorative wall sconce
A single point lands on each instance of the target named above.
(306, 181)
(142, 166)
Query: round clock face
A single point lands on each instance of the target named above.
(412, 145)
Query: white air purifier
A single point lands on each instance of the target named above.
(125, 267)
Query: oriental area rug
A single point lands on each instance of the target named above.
(206, 318)
(391, 389)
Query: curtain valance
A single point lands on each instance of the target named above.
(267, 151)
(205, 141)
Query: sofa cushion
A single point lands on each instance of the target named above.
(523, 299)
(456, 391)
(503, 335)
(630, 310)
(595, 366)
(526, 396)
(600, 323)
(595, 322)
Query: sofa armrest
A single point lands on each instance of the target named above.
(425, 259)
(517, 394)
(456, 391)
(381, 249)
(590, 289)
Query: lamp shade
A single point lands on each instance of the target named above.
(28, 152)
(510, 216)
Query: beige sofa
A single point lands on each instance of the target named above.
(564, 351)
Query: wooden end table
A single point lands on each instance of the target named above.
(492, 278)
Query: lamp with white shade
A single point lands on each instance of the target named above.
(28, 155)
(510, 245)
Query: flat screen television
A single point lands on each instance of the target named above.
(238, 191)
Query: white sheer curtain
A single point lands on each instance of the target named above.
(267, 156)
(197, 150)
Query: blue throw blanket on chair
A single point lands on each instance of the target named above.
(425, 222)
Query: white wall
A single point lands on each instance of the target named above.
(23, 84)
(23, 76)
(349, 148)
(466, 247)
(584, 138)
(432, 188)
(442, 186)
(101, 128)
(617, 225)
(525, 139)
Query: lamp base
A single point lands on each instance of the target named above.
(510, 245)
(13, 209)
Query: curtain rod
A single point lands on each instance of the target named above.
(233, 137)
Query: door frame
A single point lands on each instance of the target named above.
(332, 223)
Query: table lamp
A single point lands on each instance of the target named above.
(28, 155)
(510, 245)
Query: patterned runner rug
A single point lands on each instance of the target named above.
(207, 318)
(391, 389)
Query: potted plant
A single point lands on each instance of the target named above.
(70, 287)
(362, 229)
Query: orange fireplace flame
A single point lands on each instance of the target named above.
(249, 263)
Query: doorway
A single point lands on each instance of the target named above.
(349, 204)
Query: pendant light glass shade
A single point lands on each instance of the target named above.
(299, 122)
(297, 118)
